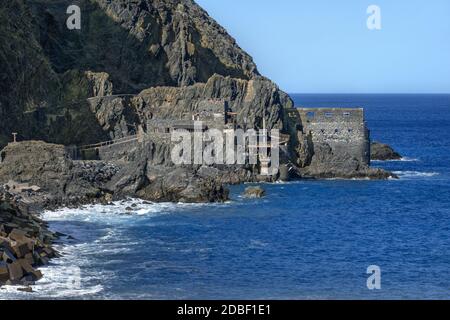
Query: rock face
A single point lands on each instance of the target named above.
(25, 242)
(61, 180)
(383, 152)
(48, 166)
(49, 71)
(251, 100)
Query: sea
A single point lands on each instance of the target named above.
(304, 240)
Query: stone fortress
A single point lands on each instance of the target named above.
(330, 134)
(344, 129)
(334, 137)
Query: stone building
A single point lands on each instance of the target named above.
(213, 113)
(344, 130)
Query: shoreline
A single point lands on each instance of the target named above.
(90, 289)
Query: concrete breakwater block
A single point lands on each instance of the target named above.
(25, 242)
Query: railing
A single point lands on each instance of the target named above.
(113, 96)
(108, 143)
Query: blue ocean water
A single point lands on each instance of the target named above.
(305, 240)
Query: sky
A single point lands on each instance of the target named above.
(325, 46)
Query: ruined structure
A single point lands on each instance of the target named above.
(332, 143)
(344, 130)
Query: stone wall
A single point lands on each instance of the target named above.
(342, 129)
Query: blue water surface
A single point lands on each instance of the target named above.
(305, 240)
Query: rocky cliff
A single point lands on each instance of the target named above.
(132, 61)
(48, 71)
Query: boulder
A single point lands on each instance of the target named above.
(383, 152)
(254, 192)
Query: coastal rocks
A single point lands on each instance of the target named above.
(254, 192)
(36, 163)
(249, 99)
(45, 175)
(25, 243)
(344, 172)
(383, 152)
(330, 161)
(100, 84)
(181, 185)
(55, 179)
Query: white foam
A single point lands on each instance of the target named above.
(63, 278)
(404, 159)
(415, 174)
(72, 275)
(117, 211)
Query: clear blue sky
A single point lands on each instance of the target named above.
(324, 46)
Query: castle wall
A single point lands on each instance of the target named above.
(342, 129)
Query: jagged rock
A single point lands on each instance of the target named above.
(254, 192)
(48, 166)
(381, 151)
(182, 185)
(100, 84)
(64, 181)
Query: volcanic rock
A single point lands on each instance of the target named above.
(383, 152)
(254, 192)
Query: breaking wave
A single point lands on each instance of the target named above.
(404, 159)
(415, 174)
(94, 230)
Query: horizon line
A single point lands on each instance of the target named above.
(369, 93)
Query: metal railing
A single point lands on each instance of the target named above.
(109, 143)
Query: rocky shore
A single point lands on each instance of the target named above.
(174, 64)
(52, 179)
(25, 242)
(55, 180)
(383, 152)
